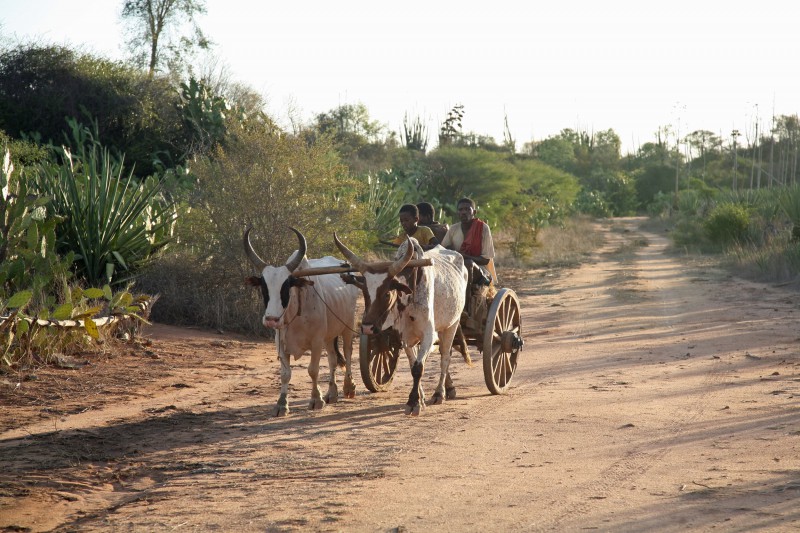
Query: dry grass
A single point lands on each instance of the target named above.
(557, 246)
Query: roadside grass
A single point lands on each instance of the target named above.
(567, 245)
(768, 253)
(776, 261)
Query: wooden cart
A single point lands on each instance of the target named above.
(491, 323)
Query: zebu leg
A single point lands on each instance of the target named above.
(313, 372)
(282, 407)
(416, 399)
(445, 348)
(449, 388)
(349, 384)
(332, 396)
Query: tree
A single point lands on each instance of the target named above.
(40, 86)
(360, 141)
(451, 127)
(154, 37)
(556, 152)
(486, 176)
(704, 142)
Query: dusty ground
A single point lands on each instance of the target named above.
(651, 395)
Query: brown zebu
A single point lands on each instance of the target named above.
(420, 303)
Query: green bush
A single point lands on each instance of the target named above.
(727, 223)
(41, 85)
(689, 234)
(592, 203)
(35, 293)
(383, 198)
(113, 223)
(267, 180)
(789, 201)
(28, 260)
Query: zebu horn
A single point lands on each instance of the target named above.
(301, 252)
(349, 255)
(251, 254)
(401, 263)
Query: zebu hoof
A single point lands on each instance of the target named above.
(316, 404)
(450, 393)
(437, 399)
(413, 410)
(332, 397)
(349, 390)
(282, 407)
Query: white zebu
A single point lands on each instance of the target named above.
(419, 303)
(307, 313)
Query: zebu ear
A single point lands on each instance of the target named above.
(300, 282)
(400, 286)
(253, 281)
(350, 279)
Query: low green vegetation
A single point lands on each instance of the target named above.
(136, 179)
(751, 231)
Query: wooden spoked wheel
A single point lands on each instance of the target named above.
(502, 341)
(378, 355)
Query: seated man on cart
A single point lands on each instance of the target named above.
(409, 220)
(472, 238)
(426, 218)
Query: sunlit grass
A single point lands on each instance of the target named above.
(557, 246)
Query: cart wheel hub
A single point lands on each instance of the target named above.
(510, 341)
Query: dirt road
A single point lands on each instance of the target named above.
(651, 395)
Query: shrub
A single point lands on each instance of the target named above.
(41, 85)
(727, 223)
(28, 260)
(789, 201)
(267, 180)
(592, 203)
(112, 222)
(35, 296)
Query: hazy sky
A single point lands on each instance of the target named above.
(629, 66)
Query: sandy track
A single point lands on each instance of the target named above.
(651, 395)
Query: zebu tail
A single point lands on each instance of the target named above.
(460, 343)
(340, 361)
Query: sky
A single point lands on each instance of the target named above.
(634, 67)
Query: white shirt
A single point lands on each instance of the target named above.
(455, 237)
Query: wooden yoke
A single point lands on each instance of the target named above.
(346, 267)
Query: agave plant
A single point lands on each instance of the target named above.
(113, 222)
(790, 204)
(383, 201)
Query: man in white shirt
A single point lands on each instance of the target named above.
(472, 238)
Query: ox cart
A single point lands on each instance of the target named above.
(491, 323)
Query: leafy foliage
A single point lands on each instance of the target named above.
(267, 180)
(592, 203)
(414, 134)
(28, 260)
(486, 176)
(383, 199)
(205, 115)
(152, 32)
(40, 86)
(113, 223)
(85, 314)
(727, 223)
(789, 202)
(361, 142)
